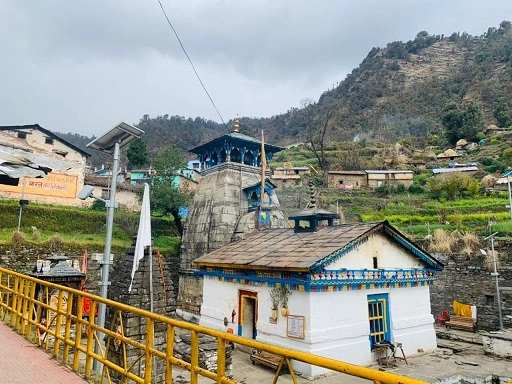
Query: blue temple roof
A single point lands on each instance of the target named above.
(235, 138)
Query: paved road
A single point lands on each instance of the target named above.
(22, 362)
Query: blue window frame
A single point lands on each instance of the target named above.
(378, 316)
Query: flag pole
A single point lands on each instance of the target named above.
(150, 278)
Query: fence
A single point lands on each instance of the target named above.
(53, 316)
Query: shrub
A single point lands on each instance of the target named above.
(416, 189)
(441, 242)
(55, 243)
(17, 239)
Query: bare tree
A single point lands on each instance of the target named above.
(319, 119)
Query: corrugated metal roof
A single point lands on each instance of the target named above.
(437, 171)
(17, 160)
(386, 172)
(346, 172)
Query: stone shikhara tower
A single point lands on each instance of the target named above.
(227, 205)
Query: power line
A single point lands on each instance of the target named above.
(191, 64)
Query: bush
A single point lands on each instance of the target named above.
(416, 189)
(17, 239)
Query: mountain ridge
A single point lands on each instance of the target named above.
(397, 92)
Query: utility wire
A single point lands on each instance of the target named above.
(191, 64)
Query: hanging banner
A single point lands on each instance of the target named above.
(53, 184)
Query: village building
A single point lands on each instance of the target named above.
(55, 170)
(342, 290)
(449, 154)
(289, 176)
(230, 201)
(464, 169)
(377, 178)
(347, 179)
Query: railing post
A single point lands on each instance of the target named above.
(150, 342)
(67, 332)
(31, 310)
(221, 359)
(194, 357)
(78, 336)
(169, 353)
(14, 300)
(58, 324)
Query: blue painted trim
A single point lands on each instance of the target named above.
(302, 282)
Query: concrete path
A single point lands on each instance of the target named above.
(22, 362)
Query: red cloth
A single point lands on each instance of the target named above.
(86, 306)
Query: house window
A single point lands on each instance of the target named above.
(48, 140)
(375, 263)
(22, 135)
(378, 316)
(489, 299)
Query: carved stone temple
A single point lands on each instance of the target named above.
(227, 205)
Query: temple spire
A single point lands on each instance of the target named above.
(237, 123)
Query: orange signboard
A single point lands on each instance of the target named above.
(53, 184)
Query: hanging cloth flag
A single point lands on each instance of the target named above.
(144, 233)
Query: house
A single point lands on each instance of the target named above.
(288, 175)
(140, 176)
(449, 154)
(352, 286)
(467, 169)
(126, 193)
(377, 178)
(50, 169)
(347, 179)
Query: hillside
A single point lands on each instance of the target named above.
(400, 91)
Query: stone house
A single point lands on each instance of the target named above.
(63, 164)
(289, 176)
(352, 286)
(376, 178)
(347, 179)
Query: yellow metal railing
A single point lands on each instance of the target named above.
(52, 316)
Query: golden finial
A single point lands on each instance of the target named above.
(237, 123)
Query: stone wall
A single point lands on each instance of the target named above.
(467, 279)
(134, 326)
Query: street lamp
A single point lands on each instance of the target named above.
(111, 142)
(495, 274)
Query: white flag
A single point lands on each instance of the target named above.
(144, 233)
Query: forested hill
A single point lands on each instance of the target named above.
(430, 90)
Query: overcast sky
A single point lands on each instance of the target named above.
(84, 66)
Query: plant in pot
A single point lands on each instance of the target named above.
(285, 294)
(275, 297)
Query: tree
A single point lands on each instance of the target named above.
(166, 197)
(503, 115)
(319, 123)
(472, 121)
(452, 122)
(137, 153)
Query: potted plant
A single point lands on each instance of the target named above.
(285, 293)
(275, 297)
